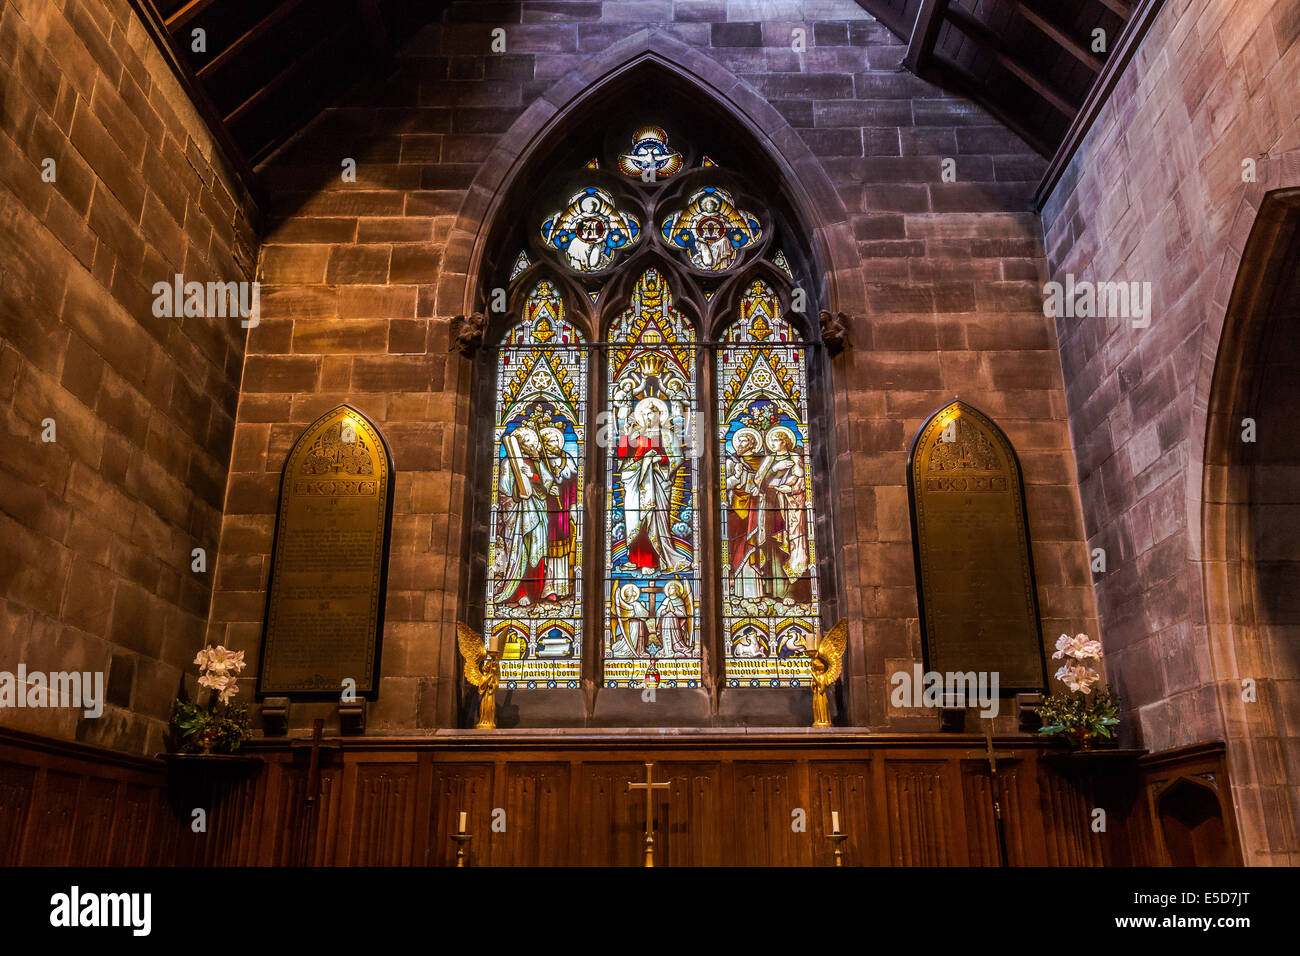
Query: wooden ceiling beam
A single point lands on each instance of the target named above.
(925, 32)
(186, 13)
(294, 69)
(1007, 58)
(198, 95)
(258, 29)
(1121, 8)
(1063, 39)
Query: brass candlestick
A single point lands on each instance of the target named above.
(837, 839)
(461, 840)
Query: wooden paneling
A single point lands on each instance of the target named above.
(919, 816)
(536, 800)
(563, 800)
(457, 787)
(66, 804)
(17, 784)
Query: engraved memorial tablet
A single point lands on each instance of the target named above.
(970, 532)
(325, 601)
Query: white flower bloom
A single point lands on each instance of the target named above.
(230, 690)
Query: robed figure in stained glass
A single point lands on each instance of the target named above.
(523, 521)
(769, 573)
(535, 528)
(782, 485)
(561, 469)
(649, 457)
(767, 519)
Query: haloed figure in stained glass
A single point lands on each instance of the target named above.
(767, 511)
(649, 457)
(537, 496)
(652, 518)
(536, 522)
(769, 578)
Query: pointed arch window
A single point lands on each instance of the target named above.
(769, 555)
(655, 278)
(534, 590)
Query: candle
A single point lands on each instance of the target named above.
(462, 821)
(835, 821)
(494, 643)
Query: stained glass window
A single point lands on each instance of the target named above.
(534, 586)
(758, 532)
(650, 157)
(591, 230)
(711, 230)
(522, 262)
(769, 570)
(652, 630)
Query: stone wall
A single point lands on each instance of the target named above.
(361, 281)
(97, 527)
(1165, 189)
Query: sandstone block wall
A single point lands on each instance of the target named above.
(98, 526)
(351, 273)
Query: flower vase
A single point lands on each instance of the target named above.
(1081, 739)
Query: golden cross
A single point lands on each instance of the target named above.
(649, 787)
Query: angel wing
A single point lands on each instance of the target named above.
(473, 650)
(831, 649)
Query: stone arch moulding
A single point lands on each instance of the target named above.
(1265, 242)
(818, 214)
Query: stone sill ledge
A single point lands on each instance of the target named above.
(619, 737)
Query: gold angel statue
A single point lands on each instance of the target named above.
(483, 670)
(825, 661)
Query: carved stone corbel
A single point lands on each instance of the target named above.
(467, 332)
(836, 331)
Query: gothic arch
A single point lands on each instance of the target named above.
(534, 133)
(1244, 644)
(474, 262)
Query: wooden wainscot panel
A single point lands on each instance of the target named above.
(845, 787)
(692, 808)
(766, 794)
(67, 804)
(919, 815)
(539, 831)
(613, 819)
(17, 787)
(901, 799)
(457, 787)
(379, 806)
(1188, 806)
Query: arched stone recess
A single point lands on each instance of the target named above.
(469, 273)
(1239, 512)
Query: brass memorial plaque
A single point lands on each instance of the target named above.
(975, 576)
(325, 601)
